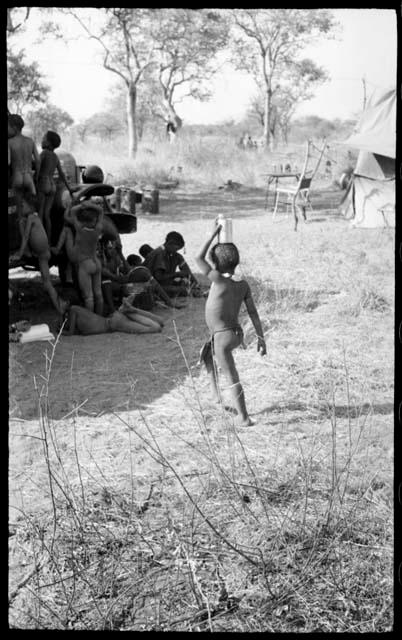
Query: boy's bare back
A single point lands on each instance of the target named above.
(224, 301)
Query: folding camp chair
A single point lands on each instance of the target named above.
(298, 196)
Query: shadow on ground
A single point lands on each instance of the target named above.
(178, 206)
(101, 373)
(320, 411)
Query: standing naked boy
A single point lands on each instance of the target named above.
(48, 163)
(21, 153)
(87, 221)
(35, 243)
(221, 313)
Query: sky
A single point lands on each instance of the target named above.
(365, 48)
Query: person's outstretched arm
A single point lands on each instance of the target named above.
(255, 319)
(200, 259)
(63, 176)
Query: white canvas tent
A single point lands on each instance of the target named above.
(370, 201)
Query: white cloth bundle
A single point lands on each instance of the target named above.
(36, 332)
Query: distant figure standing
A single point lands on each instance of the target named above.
(22, 153)
(48, 163)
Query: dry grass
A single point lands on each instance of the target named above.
(205, 161)
(146, 509)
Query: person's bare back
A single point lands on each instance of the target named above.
(22, 153)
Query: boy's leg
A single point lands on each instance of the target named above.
(97, 291)
(151, 316)
(85, 285)
(46, 214)
(138, 318)
(119, 322)
(41, 205)
(61, 241)
(43, 261)
(224, 343)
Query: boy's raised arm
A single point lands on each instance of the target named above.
(202, 263)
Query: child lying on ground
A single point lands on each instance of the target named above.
(221, 313)
(127, 319)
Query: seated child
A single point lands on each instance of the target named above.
(127, 319)
(48, 163)
(22, 153)
(87, 221)
(118, 277)
(133, 260)
(170, 269)
(221, 313)
(144, 250)
(34, 242)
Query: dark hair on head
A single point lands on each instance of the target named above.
(53, 138)
(175, 237)
(16, 121)
(144, 250)
(225, 256)
(88, 212)
(134, 260)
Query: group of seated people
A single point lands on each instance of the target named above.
(116, 293)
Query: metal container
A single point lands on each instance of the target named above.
(150, 201)
(226, 233)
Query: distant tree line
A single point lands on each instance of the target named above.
(160, 56)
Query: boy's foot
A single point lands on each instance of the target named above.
(241, 422)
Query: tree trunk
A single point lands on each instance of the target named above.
(267, 116)
(173, 121)
(268, 131)
(132, 120)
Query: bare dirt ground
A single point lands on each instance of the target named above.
(110, 395)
